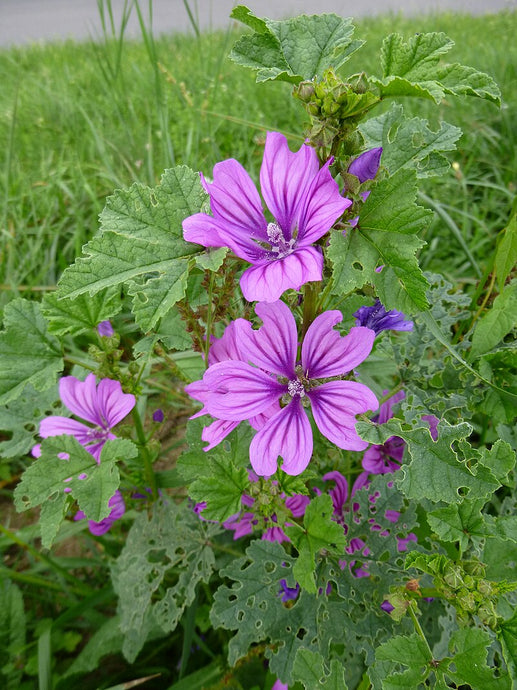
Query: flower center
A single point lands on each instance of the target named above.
(280, 247)
(295, 387)
(97, 434)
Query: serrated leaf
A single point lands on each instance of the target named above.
(500, 459)
(92, 484)
(459, 522)
(13, 630)
(415, 68)
(212, 259)
(141, 243)
(497, 322)
(309, 669)
(409, 651)
(20, 419)
(435, 471)
(385, 236)
(166, 555)
(469, 646)
(318, 532)
(409, 143)
(507, 635)
(294, 49)
(506, 253)
(107, 639)
(81, 314)
(28, 354)
(222, 489)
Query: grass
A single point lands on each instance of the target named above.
(79, 120)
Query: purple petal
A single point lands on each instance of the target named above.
(334, 406)
(275, 533)
(81, 398)
(238, 391)
(322, 208)
(55, 426)
(217, 432)
(366, 166)
(339, 493)
(273, 346)
(266, 281)
(326, 353)
(378, 319)
(433, 425)
(386, 409)
(288, 593)
(258, 421)
(285, 178)
(204, 230)
(287, 434)
(105, 329)
(112, 403)
(241, 524)
(278, 685)
(375, 461)
(158, 416)
(228, 346)
(297, 504)
(387, 607)
(234, 199)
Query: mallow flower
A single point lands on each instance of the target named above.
(118, 508)
(270, 373)
(380, 319)
(102, 406)
(304, 201)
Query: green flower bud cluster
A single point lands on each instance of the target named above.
(335, 108)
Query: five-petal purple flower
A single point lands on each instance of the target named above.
(236, 390)
(304, 201)
(103, 406)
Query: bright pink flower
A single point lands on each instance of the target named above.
(103, 406)
(304, 201)
(234, 391)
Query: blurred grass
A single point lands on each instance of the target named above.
(79, 120)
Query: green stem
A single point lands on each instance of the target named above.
(37, 581)
(311, 293)
(208, 332)
(72, 360)
(146, 456)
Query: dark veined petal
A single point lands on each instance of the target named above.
(228, 346)
(327, 353)
(339, 493)
(268, 280)
(203, 229)
(366, 166)
(334, 407)
(238, 391)
(112, 403)
(216, 432)
(273, 346)
(285, 178)
(56, 425)
(81, 398)
(287, 434)
(322, 207)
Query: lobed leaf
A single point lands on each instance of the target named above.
(294, 49)
(497, 322)
(80, 315)
(28, 354)
(309, 669)
(506, 253)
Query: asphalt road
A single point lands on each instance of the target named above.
(26, 21)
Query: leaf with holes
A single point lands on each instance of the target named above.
(409, 143)
(507, 635)
(141, 244)
(459, 523)
(166, 555)
(294, 49)
(65, 464)
(28, 354)
(436, 471)
(416, 68)
(309, 669)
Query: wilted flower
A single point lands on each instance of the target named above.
(304, 201)
(385, 458)
(235, 390)
(158, 416)
(288, 593)
(366, 165)
(378, 319)
(118, 508)
(103, 406)
(105, 329)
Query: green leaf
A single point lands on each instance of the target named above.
(410, 651)
(500, 459)
(385, 236)
(294, 49)
(309, 669)
(82, 314)
(13, 629)
(28, 354)
(141, 244)
(319, 531)
(107, 639)
(506, 253)
(19, 420)
(409, 143)
(435, 471)
(166, 555)
(415, 68)
(469, 646)
(497, 322)
(222, 490)
(212, 259)
(91, 483)
(507, 635)
(459, 522)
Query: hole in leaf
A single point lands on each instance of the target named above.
(269, 567)
(301, 633)
(357, 266)
(258, 624)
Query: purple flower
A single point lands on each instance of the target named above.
(387, 457)
(378, 319)
(288, 593)
(118, 509)
(158, 416)
(235, 391)
(278, 685)
(386, 606)
(366, 166)
(433, 425)
(304, 201)
(105, 329)
(103, 406)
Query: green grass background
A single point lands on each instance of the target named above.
(79, 120)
